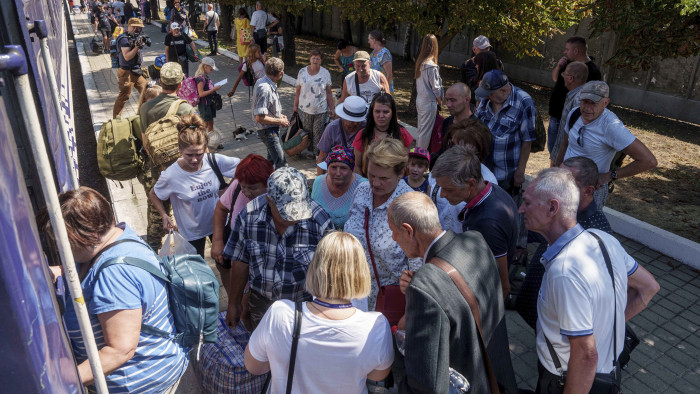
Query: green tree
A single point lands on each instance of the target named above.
(648, 30)
(289, 11)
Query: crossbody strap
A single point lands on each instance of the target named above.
(215, 167)
(295, 343)
(357, 86)
(608, 264)
(369, 249)
(474, 306)
(236, 192)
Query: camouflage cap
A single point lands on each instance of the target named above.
(595, 91)
(135, 22)
(171, 73)
(288, 190)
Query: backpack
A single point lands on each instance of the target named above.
(188, 91)
(248, 77)
(113, 54)
(117, 149)
(160, 138)
(540, 141)
(619, 156)
(193, 295)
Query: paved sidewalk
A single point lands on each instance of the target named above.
(667, 360)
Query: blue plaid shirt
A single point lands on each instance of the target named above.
(510, 127)
(278, 264)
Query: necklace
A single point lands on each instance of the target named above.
(333, 306)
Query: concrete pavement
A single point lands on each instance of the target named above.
(667, 360)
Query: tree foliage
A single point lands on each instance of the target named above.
(648, 30)
(517, 25)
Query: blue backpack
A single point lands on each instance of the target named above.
(193, 293)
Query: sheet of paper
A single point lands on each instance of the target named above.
(222, 83)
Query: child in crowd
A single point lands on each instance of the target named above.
(418, 162)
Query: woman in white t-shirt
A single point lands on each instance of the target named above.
(314, 99)
(340, 347)
(191, 185)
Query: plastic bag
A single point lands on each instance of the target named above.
(175, 245)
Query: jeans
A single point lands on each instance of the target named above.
(552, 132)
(213, 44)
(271, 138)
(185, 64)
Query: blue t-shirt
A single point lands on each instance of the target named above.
(423, 188)
(135, 62)
(337, 208)
(158, 362)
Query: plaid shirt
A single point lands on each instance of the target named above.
(510, 127)
(278, 265)
(266, 101)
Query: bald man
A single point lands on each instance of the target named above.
(457, 101)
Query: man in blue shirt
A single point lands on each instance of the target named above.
(267, 111)
(509, 113)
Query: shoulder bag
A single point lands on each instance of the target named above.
(391, 302)
(603, 383)
(474, 307)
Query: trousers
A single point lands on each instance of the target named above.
(127, 79)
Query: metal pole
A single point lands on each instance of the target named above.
(39, 27)
(14, 60)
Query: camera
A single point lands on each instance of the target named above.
(139, 40)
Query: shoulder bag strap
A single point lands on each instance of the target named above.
(608, 264)
(215, 167)
(357, 87)
(369, 249)
(474, 306)
(236, 192)
(295, 344)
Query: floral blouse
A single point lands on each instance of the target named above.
(388, 256)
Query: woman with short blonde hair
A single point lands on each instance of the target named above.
(348, 345)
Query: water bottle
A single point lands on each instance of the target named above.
(400, 337)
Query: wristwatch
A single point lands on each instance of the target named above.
(613, 175)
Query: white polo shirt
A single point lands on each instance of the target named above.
(576, 296)
(599, 140)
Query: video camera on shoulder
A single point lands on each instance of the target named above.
(139, 39)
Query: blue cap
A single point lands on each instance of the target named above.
(492, 81)
(159, 62)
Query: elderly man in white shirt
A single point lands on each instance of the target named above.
(574, 305)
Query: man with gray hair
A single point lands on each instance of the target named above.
(440, 329)
(578, 334)
(597, 133)
(267, 111)
(574, 77)
(490, 210)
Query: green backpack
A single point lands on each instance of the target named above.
(118, 148)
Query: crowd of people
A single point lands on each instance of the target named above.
(413, 230)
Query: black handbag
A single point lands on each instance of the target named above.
(216, 101)
(603, 383)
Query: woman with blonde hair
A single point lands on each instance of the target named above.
(149, 93)
(350, 346)
(256, 61)
(428, 89)
(368, 217)
(192, 184)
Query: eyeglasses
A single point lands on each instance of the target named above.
(579, 139)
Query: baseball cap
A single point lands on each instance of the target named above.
(419, 152)
(482, 42)
(174, 26)
(492, 81)
(171, 73)
(595, 91)
(159, 62)
(354, 109)
(287, 189)
(209, 62)
(361, 55)
(135, 22)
